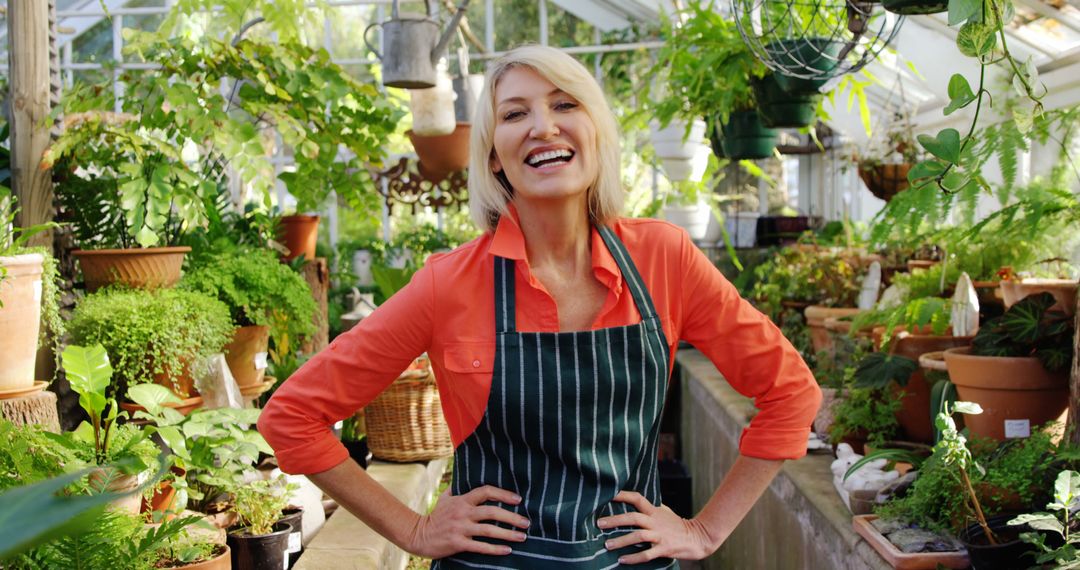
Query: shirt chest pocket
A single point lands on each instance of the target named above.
(469, 358)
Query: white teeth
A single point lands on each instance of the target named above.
(548, 155)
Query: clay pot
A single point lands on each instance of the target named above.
(110, 480)
(246, 354)
(1016, 391)
(140, 268)
(914, 414)
(185, 406)
(222, 561)
(1063, 290)
(20, 310)
(299, 234)
(442, 154)
(164, 498)
(815, 319)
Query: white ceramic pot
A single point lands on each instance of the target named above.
(742, 228)
(673, 141)
(678, 169)
(697, 220)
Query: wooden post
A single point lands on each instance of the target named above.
(1074, 379)
(28, 30)
(317, 274)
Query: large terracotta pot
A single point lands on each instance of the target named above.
(20, 320)
(1063, 290)
(815, 319)
(299, 234)
(141, 268)
(222, 561)
(246, 354)
(1013, 391)
(914, 414)
(442, 154)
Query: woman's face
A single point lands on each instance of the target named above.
(544, 139)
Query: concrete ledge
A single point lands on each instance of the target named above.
(346, 543)
(800, 522)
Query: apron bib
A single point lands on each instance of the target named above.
(572, 419)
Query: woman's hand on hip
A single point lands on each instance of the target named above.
(670, 535)
(456, 521)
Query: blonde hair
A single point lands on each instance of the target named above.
(488, 195)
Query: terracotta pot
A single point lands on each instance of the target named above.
(815, 319)
(913, 264)
(299, 234)
(223, 561)
(164, 498)
(141, 268)
(441, 155)
(20, 310)
(1063, 290)
(885, 180)
(914, 414)
(1013, 391)
(246, 354)
(111, 480)
(182, 383)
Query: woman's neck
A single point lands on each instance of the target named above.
(557, 236)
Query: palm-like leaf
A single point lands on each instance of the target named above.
(36, 513)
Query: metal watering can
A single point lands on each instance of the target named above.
(413, 46)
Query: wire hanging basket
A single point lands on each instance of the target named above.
(809, 42)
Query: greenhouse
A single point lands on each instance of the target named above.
(539, 284)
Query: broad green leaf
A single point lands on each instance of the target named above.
(961, 11)
(1067, 488)
(970, 408)
(976, 39)
(926, 169)
(152, 397)
(877, 369)
(1022, 321)
(960, 94)
(946, 145)
(89, 373)
(37, 513)
(1038, 521)
(1024, 118)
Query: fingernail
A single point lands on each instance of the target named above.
(520, 536)
(524, 523)
(607, 545)
(622, 560)
(602, 523)
(507, 550)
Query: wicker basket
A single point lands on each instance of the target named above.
(405, 423)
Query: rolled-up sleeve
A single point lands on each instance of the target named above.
(753, 356)
(346, 376)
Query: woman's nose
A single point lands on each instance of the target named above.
(543, 126)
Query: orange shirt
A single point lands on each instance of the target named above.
(448, 311)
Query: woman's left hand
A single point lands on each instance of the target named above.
(671, 536)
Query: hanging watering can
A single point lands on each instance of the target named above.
(413, 46)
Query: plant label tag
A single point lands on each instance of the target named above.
(37, 292)
(260, 360)
(1017, 429)
(294, 543)
(339, 425)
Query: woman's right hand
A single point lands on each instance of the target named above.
(457, 520)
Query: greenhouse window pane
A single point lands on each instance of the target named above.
(347, 25)
(94, 45)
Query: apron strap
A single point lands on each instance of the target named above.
(505, 316)
(633, 279)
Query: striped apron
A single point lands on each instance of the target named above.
(572, 419)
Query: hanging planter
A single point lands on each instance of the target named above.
(780, 108)
(818, 55)
(745, 137)
(680, 151)
(913, 7)
(299, 234)
(137, 268)
(440, 155)
(885, 180)
(20, 310)
(697, 219)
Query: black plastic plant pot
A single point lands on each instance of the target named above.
(745, 137)
(1010, 552)
(293, 516)
(261, 551)
(913, 7)
(778, 108)
(816, 55)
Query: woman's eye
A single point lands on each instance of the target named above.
(566, 105)
(511, 115)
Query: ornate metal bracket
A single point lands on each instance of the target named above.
(407, 185)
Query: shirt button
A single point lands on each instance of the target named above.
(476, 364)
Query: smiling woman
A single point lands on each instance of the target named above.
(552, 338)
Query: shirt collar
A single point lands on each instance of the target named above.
(509, 242)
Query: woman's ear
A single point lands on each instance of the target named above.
(495, 163)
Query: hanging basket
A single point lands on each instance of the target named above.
(779, 108)
(885, 180)
(745, 137)
(913, 7)
(405, 423)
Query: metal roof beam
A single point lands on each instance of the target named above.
(1066, 19)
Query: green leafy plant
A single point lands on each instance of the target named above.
(804, 273)
(1029, 328)
(1066, 497)
(164, 333)
(259, 505)
(866, 414)
(217, 448)
(953, 450)
(258, 290)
